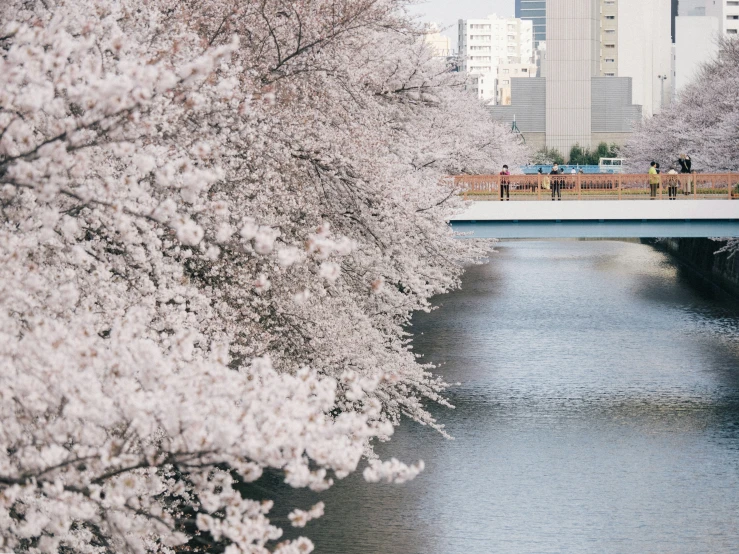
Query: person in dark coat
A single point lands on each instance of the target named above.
(686, 165)
(556, 182)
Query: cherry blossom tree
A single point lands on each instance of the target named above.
(216, 220)
(703, 122)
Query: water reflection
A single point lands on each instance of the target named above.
(598, 411)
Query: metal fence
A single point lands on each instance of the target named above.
(599, 187)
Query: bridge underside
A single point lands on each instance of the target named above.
(596, 229)
(599, 219)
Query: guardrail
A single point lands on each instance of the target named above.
(615, 186)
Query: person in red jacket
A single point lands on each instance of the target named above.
(505, 184)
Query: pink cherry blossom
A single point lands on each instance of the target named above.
(199, 204)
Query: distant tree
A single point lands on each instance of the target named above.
(606, 151)
(548, 156)
(585, 156)
(578, 155)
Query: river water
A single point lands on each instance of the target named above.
(597, 411)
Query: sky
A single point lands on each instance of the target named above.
(446, 13)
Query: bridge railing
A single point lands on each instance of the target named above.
(583, 186)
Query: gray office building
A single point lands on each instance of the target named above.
(572, 104)
(612, 115)
(536, 12)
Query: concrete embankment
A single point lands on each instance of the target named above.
(699, 254)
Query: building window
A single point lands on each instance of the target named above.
(610, 74)
(730, 31)
(610, 46)
(610, 17)
(610, 60)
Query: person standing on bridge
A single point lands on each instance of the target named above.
(653, 180)
(556, 182)
(505, 184)
(672, 184)
(686, 165)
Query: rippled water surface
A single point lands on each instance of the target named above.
(597, 411)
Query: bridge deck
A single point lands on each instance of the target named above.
(600, 218)
(601, 209)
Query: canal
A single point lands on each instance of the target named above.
(597, 411)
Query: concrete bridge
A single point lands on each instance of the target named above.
(600, 206)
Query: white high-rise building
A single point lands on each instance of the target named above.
(484, 44)
(573, 44)
(696, 43)
(644, 51)
(608, 38)
(727, 13)
(697, 36)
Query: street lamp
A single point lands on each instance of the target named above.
(662, 79)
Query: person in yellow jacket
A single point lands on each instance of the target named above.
(653, 180)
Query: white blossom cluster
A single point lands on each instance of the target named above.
(215, 221)
(703, 122)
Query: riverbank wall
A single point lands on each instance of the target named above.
(699, 254)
